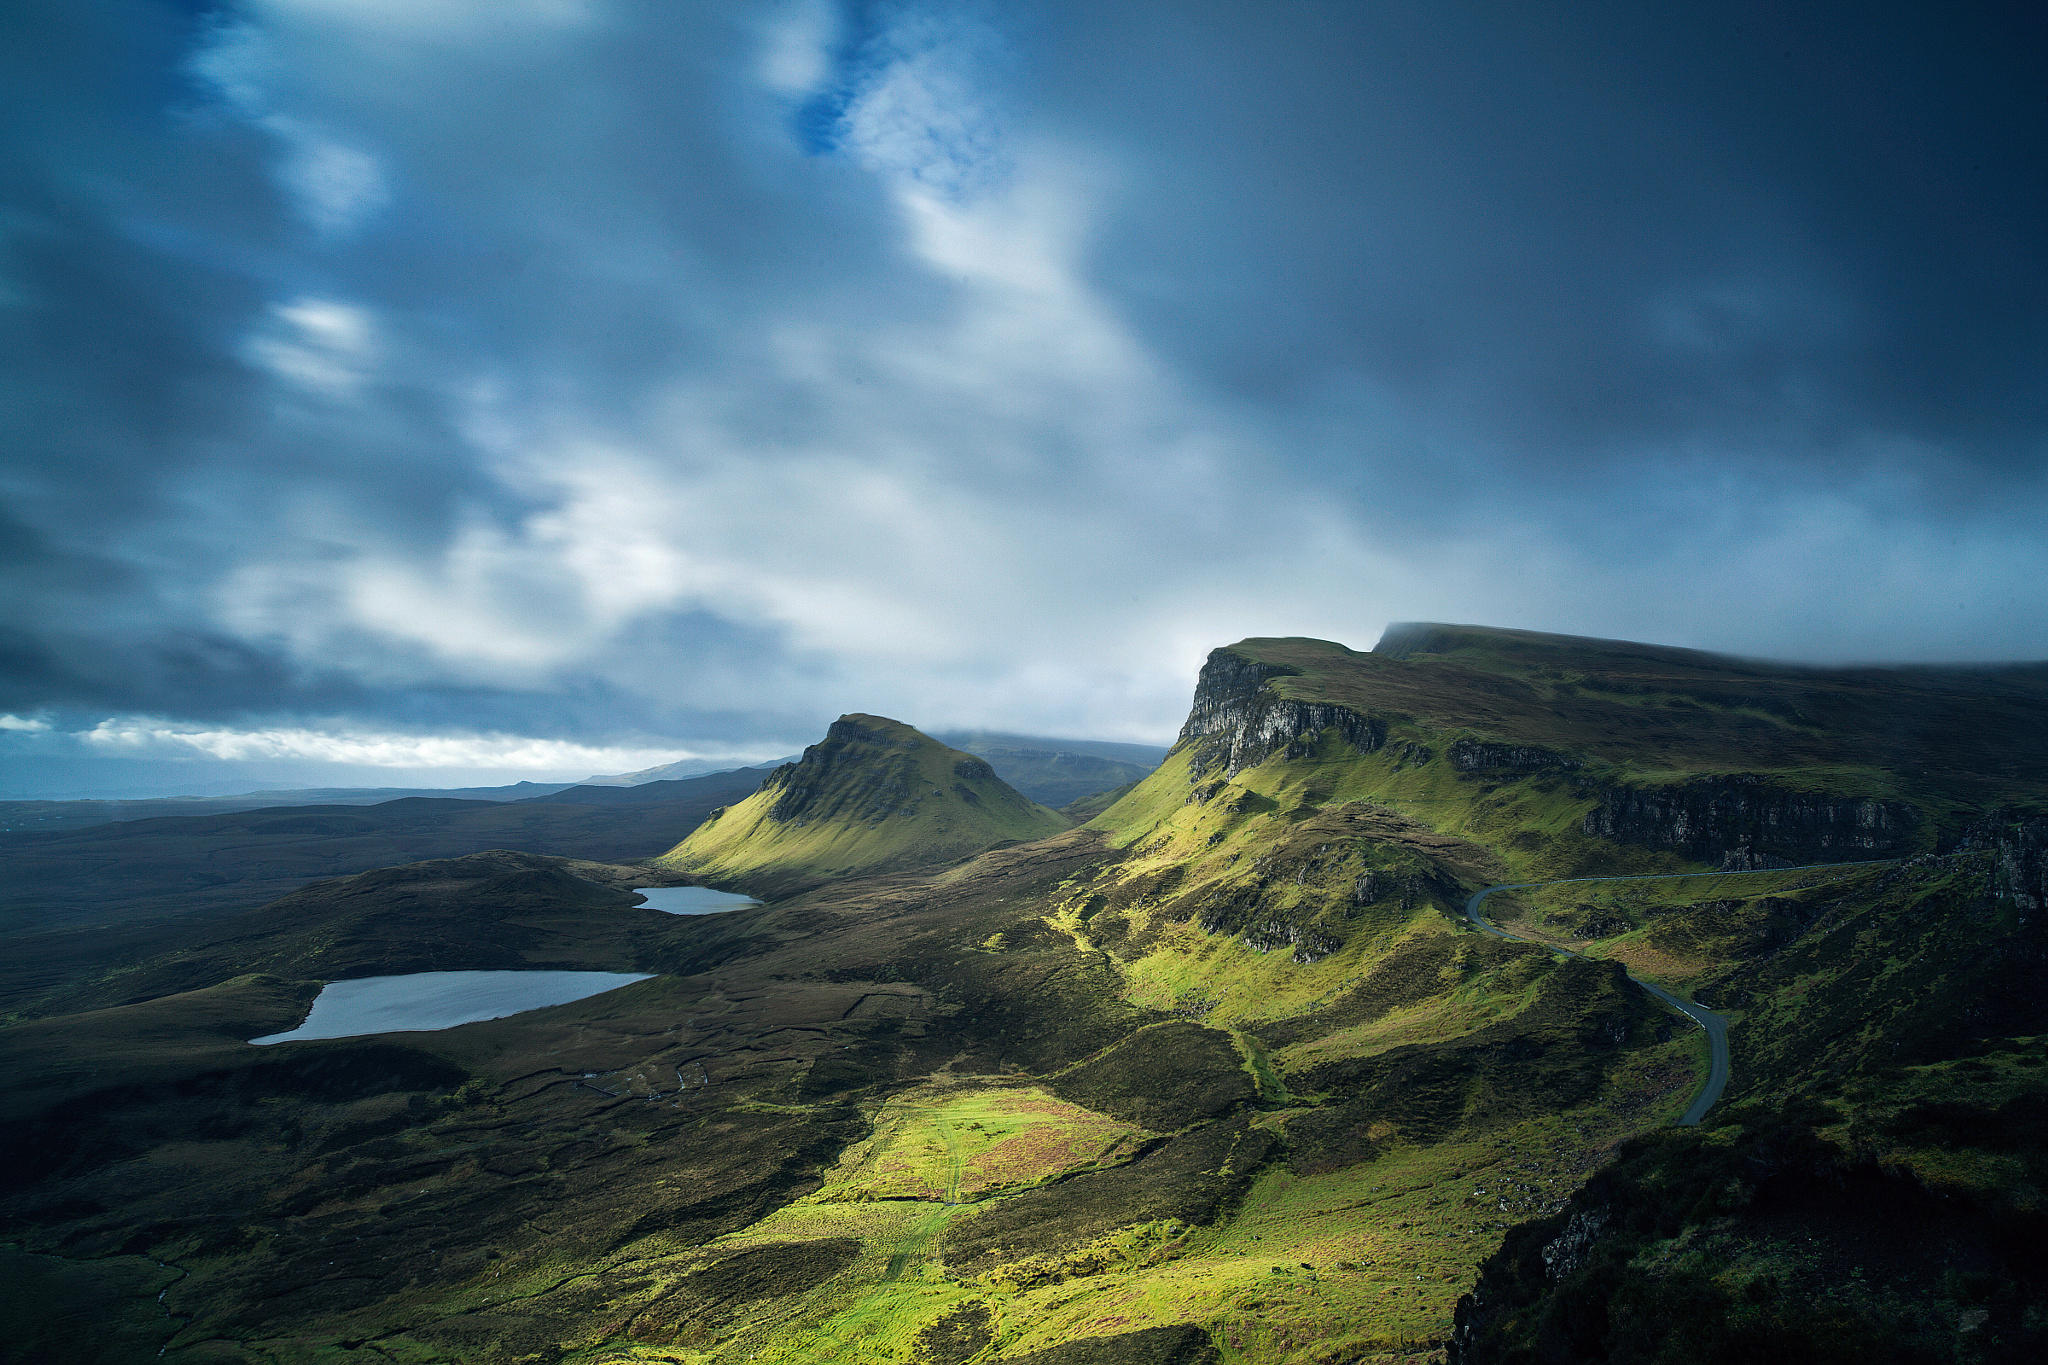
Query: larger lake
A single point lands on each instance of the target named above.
(438, 1000)
(693, 900)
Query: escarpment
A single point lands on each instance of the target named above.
(1746, 821)
(2019, 868)
(1238, 719)
(1478, 756)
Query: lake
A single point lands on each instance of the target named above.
(437, 1000)
(693, 900)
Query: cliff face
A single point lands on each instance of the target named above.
(2019, 869)
(1238, 720)
(1745, 822)
(1478, 756)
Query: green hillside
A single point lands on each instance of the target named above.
(1224, 1077)
(1943, 734)
(873, 796)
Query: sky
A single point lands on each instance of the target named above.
(430, 392)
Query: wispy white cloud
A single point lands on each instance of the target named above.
(335, 184)
(146, 736)
(797, 41)
(923, 99)
(26, 725)
(973, 363)
(337, 187)
(318, 344)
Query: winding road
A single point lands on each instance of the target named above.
(1716, 1025)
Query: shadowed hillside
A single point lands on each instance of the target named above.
(172, 866)
(1226, 1075)
(1058, 772)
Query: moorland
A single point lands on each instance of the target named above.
(1206, 1066)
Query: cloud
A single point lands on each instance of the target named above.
(797, 47)
(318, 344)
(920, 99)
(23, 724)
(335, 186)
(595, 371)
(129, 736)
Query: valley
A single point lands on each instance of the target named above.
(1366, 1026)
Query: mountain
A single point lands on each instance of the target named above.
(17, 817)
(49, 816)
(1057, 772)
(1243, 1069)
(139, 869)
(662, 772)
(653, 793)
(874, 795)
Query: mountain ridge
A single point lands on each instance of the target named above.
(1226, 1074)
(873, 795)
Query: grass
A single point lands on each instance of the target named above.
(1680, 931)
(958, 1144)
(1365, 1260)
(1227, 1058)
(1941, 735)
(875, 795)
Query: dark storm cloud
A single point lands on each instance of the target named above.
(1591, 229)
(602, 371)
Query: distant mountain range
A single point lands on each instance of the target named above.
(1049, 771)
(1740, 1061)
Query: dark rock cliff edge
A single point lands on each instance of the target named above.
(1742, 822)
(1239, 721)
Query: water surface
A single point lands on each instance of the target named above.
(438, 1000)
(693, 900)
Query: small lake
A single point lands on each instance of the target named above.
(693, 900)
(437, 1000)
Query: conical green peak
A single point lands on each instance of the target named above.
(873, 795)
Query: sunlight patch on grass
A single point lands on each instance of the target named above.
(955, 1145)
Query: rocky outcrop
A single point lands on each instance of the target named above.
(1568, 1250)
(1479, 756)
(2019, 868)
(1239, 721)
(1746, 821)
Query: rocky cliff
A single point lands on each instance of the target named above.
(1478, 756)
(1238, 720)
(2019, 868)
(1746, 821)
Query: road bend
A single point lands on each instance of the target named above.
(1715, 1025)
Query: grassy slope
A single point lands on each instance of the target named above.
(885, 797)
(1225, 1060)
(1940, 734)
(1871, 1189)
(1216, 1174)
